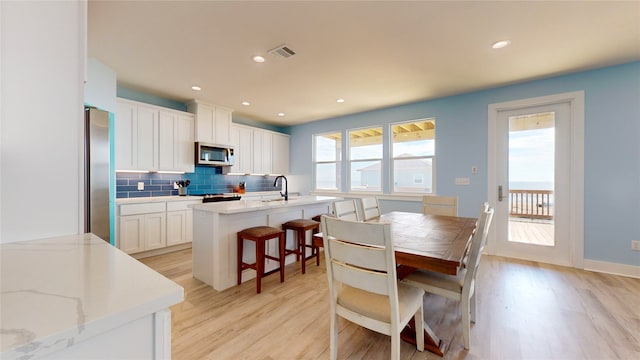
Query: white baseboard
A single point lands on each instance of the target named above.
(612, 268)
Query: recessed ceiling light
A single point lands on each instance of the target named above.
(500, 44)
(196, 88)
(280, 114)
(258, 59)
(246, 103)
(340, 100)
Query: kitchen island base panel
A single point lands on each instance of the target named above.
(215, 238)
(145, 338)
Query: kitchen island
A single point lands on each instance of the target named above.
(215, 226)
(77, 297)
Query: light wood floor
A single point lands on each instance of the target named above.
(530, 232)
(526, 310)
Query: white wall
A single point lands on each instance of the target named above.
(100, 89)
(41, 114)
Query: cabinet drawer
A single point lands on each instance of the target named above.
(181, 205)
(135, 209)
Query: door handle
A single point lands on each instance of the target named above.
(500, 197)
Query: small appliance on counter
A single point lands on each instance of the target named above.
(206, 198)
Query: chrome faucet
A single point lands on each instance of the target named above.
(286, 186)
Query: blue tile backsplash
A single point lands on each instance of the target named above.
(205, 180)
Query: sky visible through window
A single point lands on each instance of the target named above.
(531, 159)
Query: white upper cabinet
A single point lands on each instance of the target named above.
(242, 141)
(126, 133)
(259, 151)
(262, 152)
(176, 146)
(136, 137)
(152, 138)
(148, 138)
(213, 123)
(280, 154)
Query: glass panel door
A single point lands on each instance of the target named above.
(531, 178)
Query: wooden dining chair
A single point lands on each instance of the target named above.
(346, 209)
(483, 208)
(370, 208)
(440, 205)
(461, 287)
(363, 288)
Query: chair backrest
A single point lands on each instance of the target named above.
(360, 255)
(370, 208)
(477, 242)
(440, 205)
(346, 210)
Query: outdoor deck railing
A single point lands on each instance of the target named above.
(534, 204)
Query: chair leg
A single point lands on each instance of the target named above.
(473, 305)
(297, 244)
(419, 321)
(259, 265)
(281, 245)
(239, 258)
(466, 321)
(302, 249)
(333, 341)
(315, 248)
(395, 346)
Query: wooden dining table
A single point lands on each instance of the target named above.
(430, 242)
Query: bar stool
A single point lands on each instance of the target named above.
(260, 235)
(301, 226)
(316, 238)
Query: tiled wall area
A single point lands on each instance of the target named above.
(205, 180)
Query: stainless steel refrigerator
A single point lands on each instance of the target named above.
(96, 187)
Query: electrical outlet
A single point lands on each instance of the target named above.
(175, 186)
(140, 185)
(463, 181)
(635, 245)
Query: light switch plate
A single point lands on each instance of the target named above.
(463, 181)
(140, 185)
(635, 245)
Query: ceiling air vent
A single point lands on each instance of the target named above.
(283, 51)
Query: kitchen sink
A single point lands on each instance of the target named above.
(271, 200)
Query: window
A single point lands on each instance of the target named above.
(413, 156)
(365, 159)
(327, 160)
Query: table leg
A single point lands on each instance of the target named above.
(431, 342)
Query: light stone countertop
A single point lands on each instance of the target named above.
(57, 292)
(240, 206)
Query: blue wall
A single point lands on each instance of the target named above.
(135, 95)
(612, 149)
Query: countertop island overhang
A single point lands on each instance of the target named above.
(77, 297)
(215, 228)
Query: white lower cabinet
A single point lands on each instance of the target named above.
(155, 227)
(180, 222)
(143, 232)
(150, 226)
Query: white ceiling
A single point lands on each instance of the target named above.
(374, 54)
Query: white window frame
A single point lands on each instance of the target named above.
(337, 162)
(393, 158)
(350, 161)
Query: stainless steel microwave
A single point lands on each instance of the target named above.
(214, 155)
